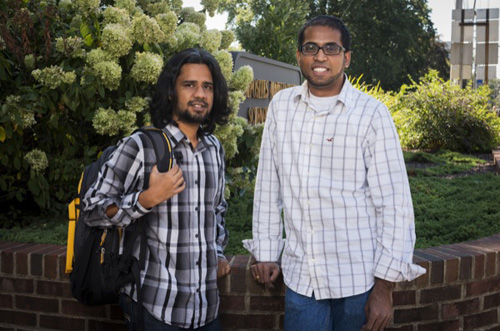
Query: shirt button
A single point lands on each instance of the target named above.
(196, 235)
(197, 290)
(196, 182)
(197, 262)
(196, 208)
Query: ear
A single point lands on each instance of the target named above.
(298, 57)
(347, 59)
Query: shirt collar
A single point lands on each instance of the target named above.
(176, 135)
(345, 96)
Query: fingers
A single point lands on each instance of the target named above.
(265, 273)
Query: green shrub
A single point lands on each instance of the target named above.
(75, 77)
(434, 114)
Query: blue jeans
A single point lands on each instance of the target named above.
(308, 314)
(129, 308)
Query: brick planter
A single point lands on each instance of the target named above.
(461, 291)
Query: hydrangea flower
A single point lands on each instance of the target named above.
(235, 99)
(98, 55)
(136, 104)
(126, 121)
(65, 6)
(147, 67)
(225, 60)
(189, 15)
(71, 46)
(210, 40)
(29, 61)
(227, 39)
(211, 6)
(158, 8)
(146, 30)
(18, 114)
(53, 76)
(116, 15)
(167, 23)
(241, 78)
(105, 122)
(228, 136)
(110, 74)
(37, 160)
(188, 35)
(115, 40)
(128, 5)
(87, 7)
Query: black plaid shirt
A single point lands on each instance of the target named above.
(185, 233)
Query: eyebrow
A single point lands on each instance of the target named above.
(195, 81)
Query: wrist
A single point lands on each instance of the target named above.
(384, 284)
(145, 200)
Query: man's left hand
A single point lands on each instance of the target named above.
(378, 308)
(223, 268)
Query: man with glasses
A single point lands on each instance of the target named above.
(331, 164)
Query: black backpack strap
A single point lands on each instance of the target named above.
(163, 150)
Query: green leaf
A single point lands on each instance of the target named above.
(17, 163)
(66, 99)
(34, 186)
(2, 134)
(19, 196)
(5, 159)
(102, 93)
(84, 30)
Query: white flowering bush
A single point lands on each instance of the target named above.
(77, 75)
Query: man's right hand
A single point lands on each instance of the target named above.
(265, 273)
(162, 186)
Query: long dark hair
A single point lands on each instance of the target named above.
(330, 21)
(164, 99)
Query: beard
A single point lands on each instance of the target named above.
(185, 116)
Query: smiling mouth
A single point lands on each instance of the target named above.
(198, 105)
(319, 69)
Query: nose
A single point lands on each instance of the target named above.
(321, 56)
(200, 92)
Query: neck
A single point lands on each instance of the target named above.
(190, 130)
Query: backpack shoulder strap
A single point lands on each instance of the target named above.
(161, 145)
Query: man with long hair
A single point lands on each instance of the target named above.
(332, 165)
(185, 206)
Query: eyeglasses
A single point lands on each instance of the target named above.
(328, 49)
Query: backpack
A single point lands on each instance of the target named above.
(100, 260)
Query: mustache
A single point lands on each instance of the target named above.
(204, 103)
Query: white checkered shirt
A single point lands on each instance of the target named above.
(340, 180)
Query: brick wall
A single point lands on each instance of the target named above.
(461, 291)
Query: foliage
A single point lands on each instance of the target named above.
(392, 40)
(436, 115)
(76, 76)
(452, 204)
(267, 27)
(449, 206)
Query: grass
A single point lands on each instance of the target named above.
(452, 203)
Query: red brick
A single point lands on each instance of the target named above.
(61, 323)
(399, 328)
(491, 301)
(440, 294)
(482, 319)
(424, 279)
(54, 288)
(62, 266)
(21, 264)
(440, 326)
(37, 304)
(479, 265)
(18, 318)
(232, 302)
(9, 285)
(465, 255)
(50, 266)
(456, 309)
(451, 263)
(250, 321)
(416, 314)
(273, 303)
(36, 259)
(106, 326)
(436, 268)
(401, 298)
(485, 286)
(491, 264)
(6, 301)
